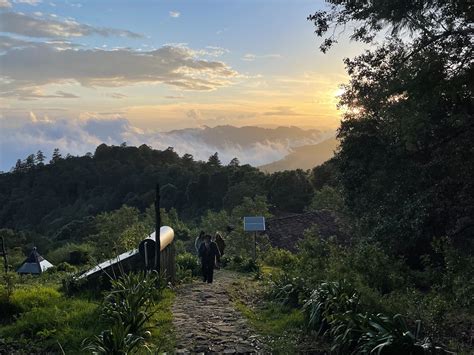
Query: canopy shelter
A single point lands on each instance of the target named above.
(35, 264)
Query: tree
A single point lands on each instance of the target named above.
(40, 158)
(56, 156)
(30, 162)
(404, 164)
(234, 162)
(214, 160)
(19, 166)
(290, 190)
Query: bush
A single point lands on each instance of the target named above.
(279, 257)
(327, 301)
(243, 264)
(287, 290)
(74, 254)
(187, 261)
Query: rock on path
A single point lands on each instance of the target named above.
(206, 321)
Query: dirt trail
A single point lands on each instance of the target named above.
(206, 321)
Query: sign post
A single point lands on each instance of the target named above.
(254, 224)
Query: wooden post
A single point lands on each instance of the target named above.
(157, 232)
(5, 255)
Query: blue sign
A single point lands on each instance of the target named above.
(254, 224)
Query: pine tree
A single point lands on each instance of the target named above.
(56, 156)
(40, 158)
(234, 162)
(214, 160)
(29, 163)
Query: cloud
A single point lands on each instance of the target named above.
(78, 136)
(250, 57)
(175, 14)
(22, 24)
(26, 66)
(27, 94)
(282, 111)
(28, 2)
(5, 4)
(117, 95)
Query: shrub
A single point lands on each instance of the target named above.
(74, 254)
(130, 300)
(327, 301)
(187, 261)
(117, 340)
(243, 264)
(287, 290)
(279, 257)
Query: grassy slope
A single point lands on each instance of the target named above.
(47, 320)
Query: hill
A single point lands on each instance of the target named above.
(305, 157)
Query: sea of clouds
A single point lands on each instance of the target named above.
(79, 136)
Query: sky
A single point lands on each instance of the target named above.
(157, 66)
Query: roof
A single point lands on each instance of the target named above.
(285, 232)
(34, 264)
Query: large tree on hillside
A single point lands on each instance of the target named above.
(406, 161)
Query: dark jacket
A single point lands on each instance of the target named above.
(209, 255)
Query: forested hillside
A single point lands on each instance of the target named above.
(45, 197)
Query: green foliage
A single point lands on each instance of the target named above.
(59, 320)
(242, 264)
(291, 190)
(286, 290)
(327, 198)
(28, 298)
(130, 301)
(279, 257)
(74, 254)
(187, 266)
(327, 301)
(115, 341)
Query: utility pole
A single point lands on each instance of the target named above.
(4, 254)
(157, 232)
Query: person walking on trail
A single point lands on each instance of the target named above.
(209, 254)
(199, 240)
(220, 242)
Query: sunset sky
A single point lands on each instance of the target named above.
(161, 65)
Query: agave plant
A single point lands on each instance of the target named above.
(390, 335)
(116, 341)
(328, 305)
(131, 299)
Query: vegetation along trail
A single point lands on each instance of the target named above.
(206, 321)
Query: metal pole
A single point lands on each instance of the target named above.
(255, 246)
(157, 232)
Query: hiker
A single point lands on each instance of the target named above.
(209, 254)
(220, 242)
(199, 240)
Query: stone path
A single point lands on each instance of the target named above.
(206, 322)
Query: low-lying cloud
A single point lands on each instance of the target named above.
(78, 136)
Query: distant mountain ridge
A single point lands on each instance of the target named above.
(305, 157)
(225, 136)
